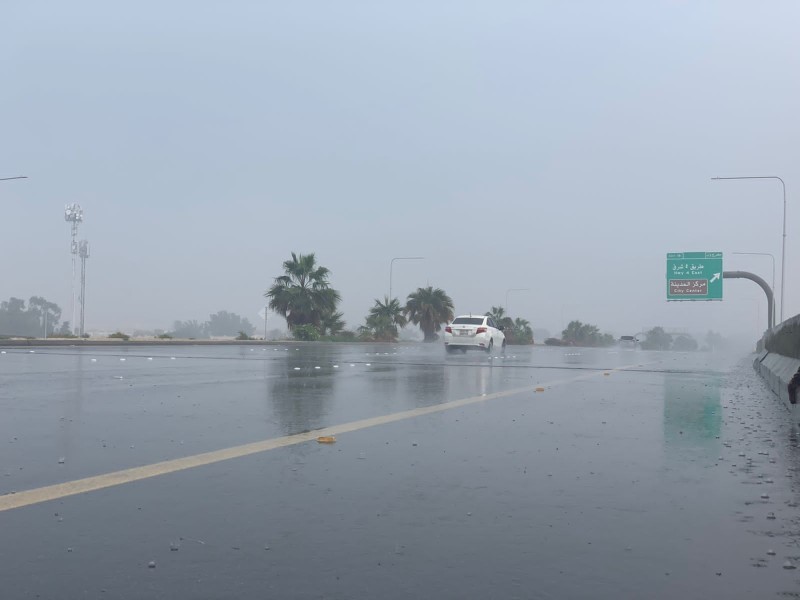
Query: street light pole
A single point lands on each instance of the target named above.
(783, 251)
(508, 314)
(772, 256)
(391, 265)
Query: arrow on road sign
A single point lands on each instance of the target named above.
(714, 278)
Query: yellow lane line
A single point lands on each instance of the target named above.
(99, 482)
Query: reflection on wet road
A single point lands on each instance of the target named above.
(633, 474)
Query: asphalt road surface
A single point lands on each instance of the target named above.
(195, 472)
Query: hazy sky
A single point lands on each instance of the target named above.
(560, 146)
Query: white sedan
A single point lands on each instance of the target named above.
(468, 332)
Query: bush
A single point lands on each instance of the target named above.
(343, 336)
(243, 336)
(657, 339)
(585, 334)
(120, 336)
(164, 336)
(553, 342)
(305, 333)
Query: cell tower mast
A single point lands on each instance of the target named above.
(73, 214)
(83, 252)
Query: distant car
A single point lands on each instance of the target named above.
(468, 332)
(628, 341)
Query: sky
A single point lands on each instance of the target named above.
(560, 147)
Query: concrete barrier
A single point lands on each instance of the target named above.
(778, 362)
(784, 338)
(778, 371)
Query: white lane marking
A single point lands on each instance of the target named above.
(99, 482)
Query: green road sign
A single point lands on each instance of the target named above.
(694, 276)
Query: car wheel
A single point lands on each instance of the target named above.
(503, 348)
(449, 349)
(490, 347)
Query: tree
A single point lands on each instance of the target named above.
(303, 295)
(225, 323)
(385, 318)
(657, 339)
(365, 333)
(49, 312)
(521, 332)
(429, 308)
(579, 334)
(606, 339)
(684, 343)
(189, 329)
(17, 320)
(498, 313)
(332, 324)
(585, 334)
(378, 328)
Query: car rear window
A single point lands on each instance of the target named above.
(468, 321)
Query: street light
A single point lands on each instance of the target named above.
(391, 265)
(10, 178)
(514, 290)
(772, 256)
(783, 251)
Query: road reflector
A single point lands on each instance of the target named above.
(326, 439)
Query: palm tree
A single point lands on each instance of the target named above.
(522, 324)
(303, 295)
(429, 308)
(498, 313)
(384, 318)
(523, 334)
(332, 324)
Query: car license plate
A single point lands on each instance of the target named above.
(463, 332)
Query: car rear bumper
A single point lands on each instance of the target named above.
(467, 341)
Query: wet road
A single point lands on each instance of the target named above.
(632, 474)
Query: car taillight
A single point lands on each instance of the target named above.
(480, 330)
(448, 329)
